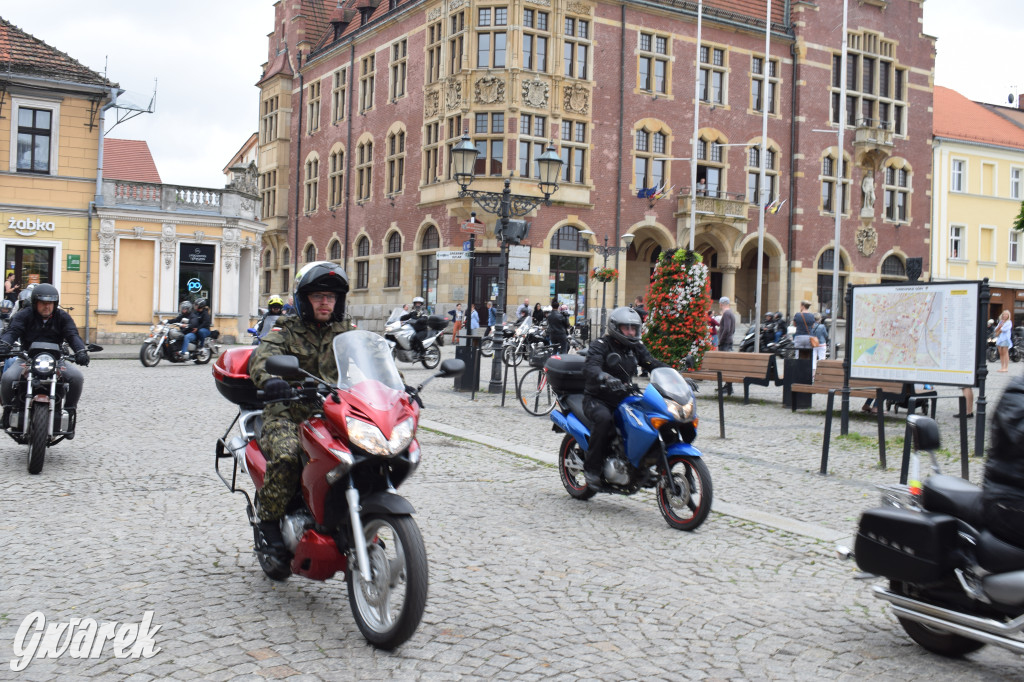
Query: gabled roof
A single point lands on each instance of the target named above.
(958, 118)
(25, 55)
(128, 160)
(1011, 114)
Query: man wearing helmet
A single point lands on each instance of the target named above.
(275, 308)
(43, 321)
(181, 319)
(198, 325)
(607, 385)
(419, 309)
(319, 300)
(558, 328)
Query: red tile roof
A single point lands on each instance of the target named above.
(128, 160)
(958, 118)
(25, 55)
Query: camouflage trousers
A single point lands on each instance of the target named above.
(280, 442)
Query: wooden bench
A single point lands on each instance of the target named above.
(829, 378)
(726, 367)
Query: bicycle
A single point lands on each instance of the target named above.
(533, 391)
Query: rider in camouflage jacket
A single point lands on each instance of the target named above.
(308, 335)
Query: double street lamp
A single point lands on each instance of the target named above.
(505, 205)
(605, 251)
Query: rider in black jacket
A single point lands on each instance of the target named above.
(198, 326)
(1003, 490)
(43, 321)
(606, 386)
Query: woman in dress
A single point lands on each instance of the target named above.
(1003, 340)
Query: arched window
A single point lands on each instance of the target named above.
(710, 165)
(893, 269)
(394, 263)
(396, 162)
(568, 239)
(362, 263)
(650, 149)
(335, 250)
(430, 238)
(825, 271)
(364, 171)
(829, 176)
(286, 256)
(268, 258)
(897, 189)
(336, 178)
(311, 183)
(754, 195)
(310, 253)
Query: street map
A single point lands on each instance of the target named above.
(924, 333)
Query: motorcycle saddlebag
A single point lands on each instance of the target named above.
(908, 546)
(565, 373)
(420, 324)
(437, 323)
(231, 372)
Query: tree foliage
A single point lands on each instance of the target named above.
(1018, 222)
(678, 302)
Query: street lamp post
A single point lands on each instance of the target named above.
(505, 205)
(604, 252)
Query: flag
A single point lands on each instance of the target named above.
(773, 208)
(644, 193)
(662, 193)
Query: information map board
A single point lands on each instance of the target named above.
(916, 332)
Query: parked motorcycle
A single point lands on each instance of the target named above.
(652, 448)
(399, 334)
(954, 587)
(521, 339)
(347, 516)
(164, 343)
(36, 415)
(784, 348)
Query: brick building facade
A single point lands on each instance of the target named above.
(362, 101)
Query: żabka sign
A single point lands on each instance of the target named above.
(28, 227)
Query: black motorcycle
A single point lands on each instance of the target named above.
(36, 415)
(784, 348)
(953, 585)
(164, 343)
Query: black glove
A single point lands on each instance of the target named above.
(276, 389)
(82, 358)
(613, 385)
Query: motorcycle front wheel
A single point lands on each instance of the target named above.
(38, 437)
(388, 608)
(934, 640)
(992, 354)
(1015, 354)
(570, 469)
(431, 357)
(149, 355)
(687, 510)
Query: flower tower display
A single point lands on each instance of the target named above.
(678, 300)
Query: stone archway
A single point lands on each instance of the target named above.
(771, 278)
(649, 241)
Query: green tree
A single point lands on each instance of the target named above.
(1018, 222)
(678, 300)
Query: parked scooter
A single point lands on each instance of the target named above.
(164, 343)
(652, 448)
(783, 348)
(954, 586)
(36, 415)
(400, 329)
(347, 516)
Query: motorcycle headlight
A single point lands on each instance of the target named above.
(369, 438)
(680, 412)
(44, 365)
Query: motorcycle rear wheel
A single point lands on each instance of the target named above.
(934, 640)
(431, 357)
(203, 355)
(386, 615)
(149, 355)
(272, 568)
(992, 354)
(1015, 354)
(688, 511)
(570, 468)
(38, 438)
(487, 346)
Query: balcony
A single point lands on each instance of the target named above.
(872, 142)
(227, 202)
(730, 209)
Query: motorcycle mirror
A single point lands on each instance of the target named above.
(451, 368)
(93, 348)
(286, 366)
(251, 330)
(613, 360)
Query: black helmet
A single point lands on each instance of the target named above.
(621, 317)
(45, 292)
(6, 306)
(320, 276)
(200, 303)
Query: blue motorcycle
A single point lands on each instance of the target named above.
(652, 448)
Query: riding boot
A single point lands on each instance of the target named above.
(273, 541)
(72, 421)
(6, 416)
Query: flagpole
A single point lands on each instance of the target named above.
(696, 130)
(838, 204)
(762, 195)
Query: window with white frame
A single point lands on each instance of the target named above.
(339, 89)
(712, 74)
(956, 241)
(1013, 256)
(574, 151)
(896, 190)
(829, 178)
(491, 37)
(399, 67)
(312, 180)
(35, 137)
(764, 83)
(650, 149)
(653, 64)
(536, 38)
(957, 175)
(1015, 176)
(576, 45)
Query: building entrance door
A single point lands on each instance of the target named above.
(30, 265)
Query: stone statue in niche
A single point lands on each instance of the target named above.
(867, 187)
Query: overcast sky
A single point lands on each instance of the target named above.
(207, 57)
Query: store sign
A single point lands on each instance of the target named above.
(74, 262)
(198, 254)
(29, 226)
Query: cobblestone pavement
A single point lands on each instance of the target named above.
(526, 583)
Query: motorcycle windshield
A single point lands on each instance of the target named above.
(671, 385)
(363, 358)
(396, 315)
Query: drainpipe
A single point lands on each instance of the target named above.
(298, 167)
(618, 183)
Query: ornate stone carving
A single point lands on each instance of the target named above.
(455, 4)
(199, 235)
(453, 94)
(432, 104)
(248, 205)
(490, 90)
(230, 248)
(867, 240)
(577, 99)
(577, 8)
(138, 231)
(545, 3)
(535, 93)
(168, 244)
(108, 238)
(434, 13)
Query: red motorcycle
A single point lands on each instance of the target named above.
(358, 447)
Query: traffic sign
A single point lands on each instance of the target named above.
(472, 226)
(453, 255)
(467, 245)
